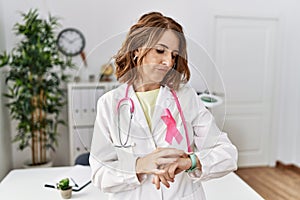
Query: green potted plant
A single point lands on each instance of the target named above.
(34, 78)
(65, 188)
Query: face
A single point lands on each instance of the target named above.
(160, 59)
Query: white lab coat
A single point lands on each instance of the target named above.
(113, 168)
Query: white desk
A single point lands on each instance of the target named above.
(28, 184)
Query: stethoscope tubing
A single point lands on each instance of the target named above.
(131, 104)
(124, 145)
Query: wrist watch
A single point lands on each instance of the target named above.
(196, 172)
(193, 158)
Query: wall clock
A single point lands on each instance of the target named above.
(70, 42)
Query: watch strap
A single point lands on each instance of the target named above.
(193, 158)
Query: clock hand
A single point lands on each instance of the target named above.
(70, 41)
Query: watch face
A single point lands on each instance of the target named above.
(70, 42)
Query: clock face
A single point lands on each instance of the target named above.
(70, 42)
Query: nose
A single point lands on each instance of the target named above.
(166, 63)
(167, 59)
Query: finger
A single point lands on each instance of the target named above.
(166, 174)
(171, 170)
(157, 171)
(177, 171)
(189, 153)
(169, 178)
(164, 161)
(157, 181)
(170, 152)
(164, 181)
(186, 154)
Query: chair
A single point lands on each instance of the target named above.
(83, 159)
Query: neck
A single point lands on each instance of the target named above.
(145, 87)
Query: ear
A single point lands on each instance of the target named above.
(137, 52)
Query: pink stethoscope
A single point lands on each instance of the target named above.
(131, 105)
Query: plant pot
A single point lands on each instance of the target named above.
(28, 164)
(66, 194)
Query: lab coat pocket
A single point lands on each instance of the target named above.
(126, 159)
(122, 150)
(197, 194)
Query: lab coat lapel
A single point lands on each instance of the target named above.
(164, 100)
(139, 116)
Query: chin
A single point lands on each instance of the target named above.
(158, 79)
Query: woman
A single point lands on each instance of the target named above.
(153, 138)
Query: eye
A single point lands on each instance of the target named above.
(160, 50)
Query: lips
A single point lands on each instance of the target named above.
(162, 68)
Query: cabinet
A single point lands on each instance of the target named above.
(82, 102)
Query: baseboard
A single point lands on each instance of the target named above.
(291, 167)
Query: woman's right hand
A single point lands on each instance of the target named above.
(150, 163)
(172, 169)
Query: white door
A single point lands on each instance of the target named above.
(245, 51)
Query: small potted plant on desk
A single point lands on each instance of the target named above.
(65, 188)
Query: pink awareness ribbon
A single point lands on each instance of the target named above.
(172, 131)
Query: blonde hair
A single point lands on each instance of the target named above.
(146, 33)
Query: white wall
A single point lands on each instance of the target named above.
(5, 147)
(289, 139)
(103, 24)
